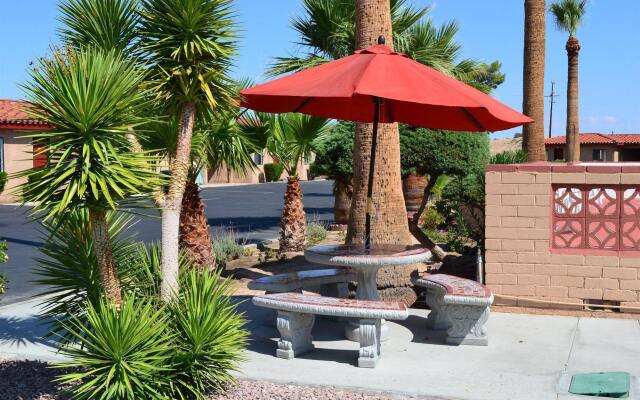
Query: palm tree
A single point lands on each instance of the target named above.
(92, 99)
(290, 139)
(568, 15)
(328, 31)
(533, 79)
(190, 45)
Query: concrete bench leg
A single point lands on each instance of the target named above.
(437, 319)
(467, 325)
(369, 353)
(295, 334)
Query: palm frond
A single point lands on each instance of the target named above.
(568, 14)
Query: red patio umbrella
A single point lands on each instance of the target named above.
(377, 84)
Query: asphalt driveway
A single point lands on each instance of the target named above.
(252, 211)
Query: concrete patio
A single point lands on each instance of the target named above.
(525, 359)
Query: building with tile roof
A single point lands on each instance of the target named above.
(598, 147)
(16, 151)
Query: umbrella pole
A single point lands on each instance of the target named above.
(372, 163)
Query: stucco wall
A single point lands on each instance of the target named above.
(520, 260)
(17, 157)
(254, 176)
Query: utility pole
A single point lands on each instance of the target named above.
(552, 101)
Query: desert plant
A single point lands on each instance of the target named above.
(209, 336)
(122, 354)
(69, 271)
(227, 246)
(3, 180)
(273, 172)
(189, 45)
(316, 233)
(93, 100)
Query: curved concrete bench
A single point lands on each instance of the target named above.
(296, 315)
(461, 306)
(332, 281)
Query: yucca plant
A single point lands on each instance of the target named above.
(122, 354)
(105, 24)
(92, 99)
(69, 271)
(209, 336)
(189, 45)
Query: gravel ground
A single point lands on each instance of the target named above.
(32, 380)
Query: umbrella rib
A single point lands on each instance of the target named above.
(302, 104)
(473, 119)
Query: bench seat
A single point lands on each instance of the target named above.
(296, 316)
(296, 281)
(458, 305)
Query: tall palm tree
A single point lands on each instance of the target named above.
(92, 99)
(533, 79)
(190, 45)
(568, 15)
(290, 139)
(327, 31)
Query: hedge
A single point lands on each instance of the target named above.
(273, 172)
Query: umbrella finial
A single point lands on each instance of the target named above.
(381, 39)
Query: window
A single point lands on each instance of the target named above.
(258, 158)
(558, 153)
(596, 217)
(1, 154)
(599, 155)
(308, 158)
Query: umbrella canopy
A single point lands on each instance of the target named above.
(408, 91)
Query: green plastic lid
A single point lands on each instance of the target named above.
(614, 385)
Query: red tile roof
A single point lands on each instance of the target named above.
(599, 138)
(12, 115)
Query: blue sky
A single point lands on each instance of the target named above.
(489, 30)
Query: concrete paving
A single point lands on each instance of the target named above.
(526, 357)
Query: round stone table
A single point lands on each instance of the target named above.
(366, 263)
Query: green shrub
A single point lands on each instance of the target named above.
(227, 246)
(432, 219)
(316, 233)
(209, 338)
(121, 354)
(509, 157)
(334, 153)
(273, 172)
(3, 180)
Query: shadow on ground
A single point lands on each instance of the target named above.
(20, 332)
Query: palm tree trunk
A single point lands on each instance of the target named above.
(194, 237)
(342, 202)
(293, 233)
(389, 219)
(104, 255)
(169, 285)
(533, 79)
(573, 125)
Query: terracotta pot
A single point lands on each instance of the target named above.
(413, 190)
(342, 203)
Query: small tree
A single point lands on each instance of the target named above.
(334, 159)
(290, 139)
(437, 153)
(190, 45)
(93, 99)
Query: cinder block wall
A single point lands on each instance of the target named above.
(520, 259)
